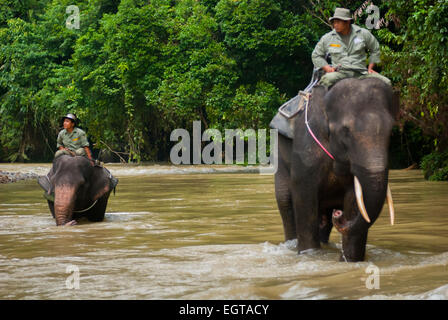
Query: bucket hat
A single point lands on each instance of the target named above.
(72, 117)
(342, 14)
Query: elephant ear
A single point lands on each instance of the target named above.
(102, 182)
(45, 182)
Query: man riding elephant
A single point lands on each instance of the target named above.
(348, 45)
(72, 140)
(76, 186)
(333, 144)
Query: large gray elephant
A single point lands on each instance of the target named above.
(353, 123)
(74, 188)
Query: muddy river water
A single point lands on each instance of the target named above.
(213, 233)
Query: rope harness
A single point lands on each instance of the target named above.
(307, 96)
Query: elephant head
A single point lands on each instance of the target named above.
(361, 114)
(77, 186)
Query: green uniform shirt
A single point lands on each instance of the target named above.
(351, 57)
(73, 141)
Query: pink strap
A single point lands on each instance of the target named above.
(318, 142)
(311, 132)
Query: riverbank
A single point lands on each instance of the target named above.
(13, 172)
(9, 177)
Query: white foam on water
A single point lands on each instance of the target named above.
(440, 293)
(179, 170)
(24, 224)
(298, 291)
(123, 170)
(26, 168)
(19, 204)
(282, 248)
(233, 271)
(399, 262)
(125, 213)
(126, 216)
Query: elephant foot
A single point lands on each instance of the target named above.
(70, 223)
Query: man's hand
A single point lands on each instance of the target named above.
(89, 155)
(328, 69)
(67, 149)
(370, 68)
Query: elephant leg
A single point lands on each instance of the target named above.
(354, 246)
(326, 224)
(306, 216)
(284, 203)
(286, 211)
(96, 214)
(354, 240)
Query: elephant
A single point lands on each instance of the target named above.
(343, 182)
(75, 188)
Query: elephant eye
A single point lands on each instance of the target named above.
(345, 131)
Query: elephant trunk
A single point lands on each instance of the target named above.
(64, 202)
(371, 190)
(363, 206)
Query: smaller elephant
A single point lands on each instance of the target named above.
(74, 188)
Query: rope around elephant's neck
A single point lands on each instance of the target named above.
(308, 96)
(81, 211)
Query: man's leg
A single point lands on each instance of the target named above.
(330, 78)
(80, 152)
(378, 76)
(61, 152)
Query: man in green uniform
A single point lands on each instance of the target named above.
(348, 45)
(72, 140)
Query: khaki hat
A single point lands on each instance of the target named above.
(342, 14)
(72, 117)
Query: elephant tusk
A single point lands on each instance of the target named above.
(390, 203)
(360, 200)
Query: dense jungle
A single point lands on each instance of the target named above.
(135, 70)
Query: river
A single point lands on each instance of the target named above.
(204, 232)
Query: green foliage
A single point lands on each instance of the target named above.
(435, 166)
(408, 146)
(24, 67)
(137, 69)
(268, 43)
(415, 55)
